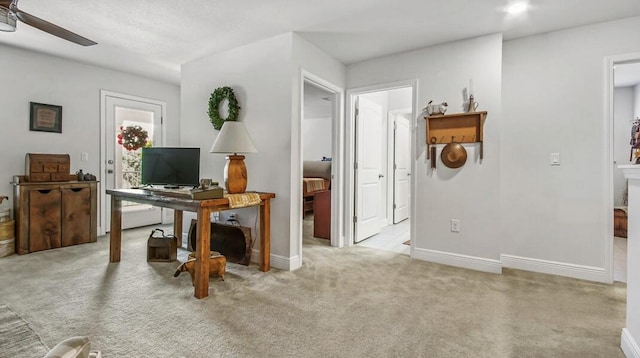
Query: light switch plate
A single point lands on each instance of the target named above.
(555, 158)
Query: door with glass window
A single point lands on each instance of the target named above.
(130, 126)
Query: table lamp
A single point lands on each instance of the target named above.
(234, 138)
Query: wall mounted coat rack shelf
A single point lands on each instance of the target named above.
(457, 127)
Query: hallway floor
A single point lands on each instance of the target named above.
(391, 238)
(620, 259)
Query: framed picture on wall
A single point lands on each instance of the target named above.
(45, 118)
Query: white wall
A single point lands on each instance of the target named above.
(259, 74)
(317, 123)
(553, 102)
(266, 78)
(623, 101)
(316, 133)
(34, 77)
(470, 193)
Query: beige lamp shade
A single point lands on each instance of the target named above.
(234, 138)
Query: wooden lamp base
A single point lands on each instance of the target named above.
(235, 174)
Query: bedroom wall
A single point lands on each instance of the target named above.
(316, 133)
(35, 77)
(317, 123)
(623, 105)
(471, 193)
(553, 101)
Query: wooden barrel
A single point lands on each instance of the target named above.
(5, 215)
(7, 230)
(7, 241)
(7, 247)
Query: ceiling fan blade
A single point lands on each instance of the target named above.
(54, 30)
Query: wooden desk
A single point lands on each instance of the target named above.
(203, 208)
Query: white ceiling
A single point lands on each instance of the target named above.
(154, 37)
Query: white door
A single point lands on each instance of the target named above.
(402, 169)
(122, 166)
(369, 121)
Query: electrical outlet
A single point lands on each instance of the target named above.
(455, 225)
(216, 216)
(232, 216)
(84, 156)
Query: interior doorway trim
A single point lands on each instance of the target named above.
(337, 150)
(104, 94)
(349, 193)
(610, 63)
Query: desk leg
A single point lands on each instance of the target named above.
(177, 226)
(116, 229)
(201, 281)
(265, 236)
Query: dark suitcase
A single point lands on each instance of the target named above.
(232, 241)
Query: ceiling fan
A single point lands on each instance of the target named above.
(9, 12)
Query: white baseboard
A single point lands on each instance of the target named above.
(629, 345)
(589, 273)
(458, 260)
(279, 262)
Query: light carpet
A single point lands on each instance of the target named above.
(349, 302)
(17, 339)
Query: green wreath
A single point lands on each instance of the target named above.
(214, 101)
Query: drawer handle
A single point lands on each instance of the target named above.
(44, 191)
(75, 190)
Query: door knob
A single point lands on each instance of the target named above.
(380, 176)
(109, 161)
(110, 171)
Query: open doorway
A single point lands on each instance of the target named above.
(381, 140)
(317, 155)
(626, 150)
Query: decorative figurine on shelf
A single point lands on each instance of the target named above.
(635, 142)
(473, 105)
(435, 109)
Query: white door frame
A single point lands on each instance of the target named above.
(349, 125)
(627, 342)
(103, 155)
(609, 63)
(337, 150)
